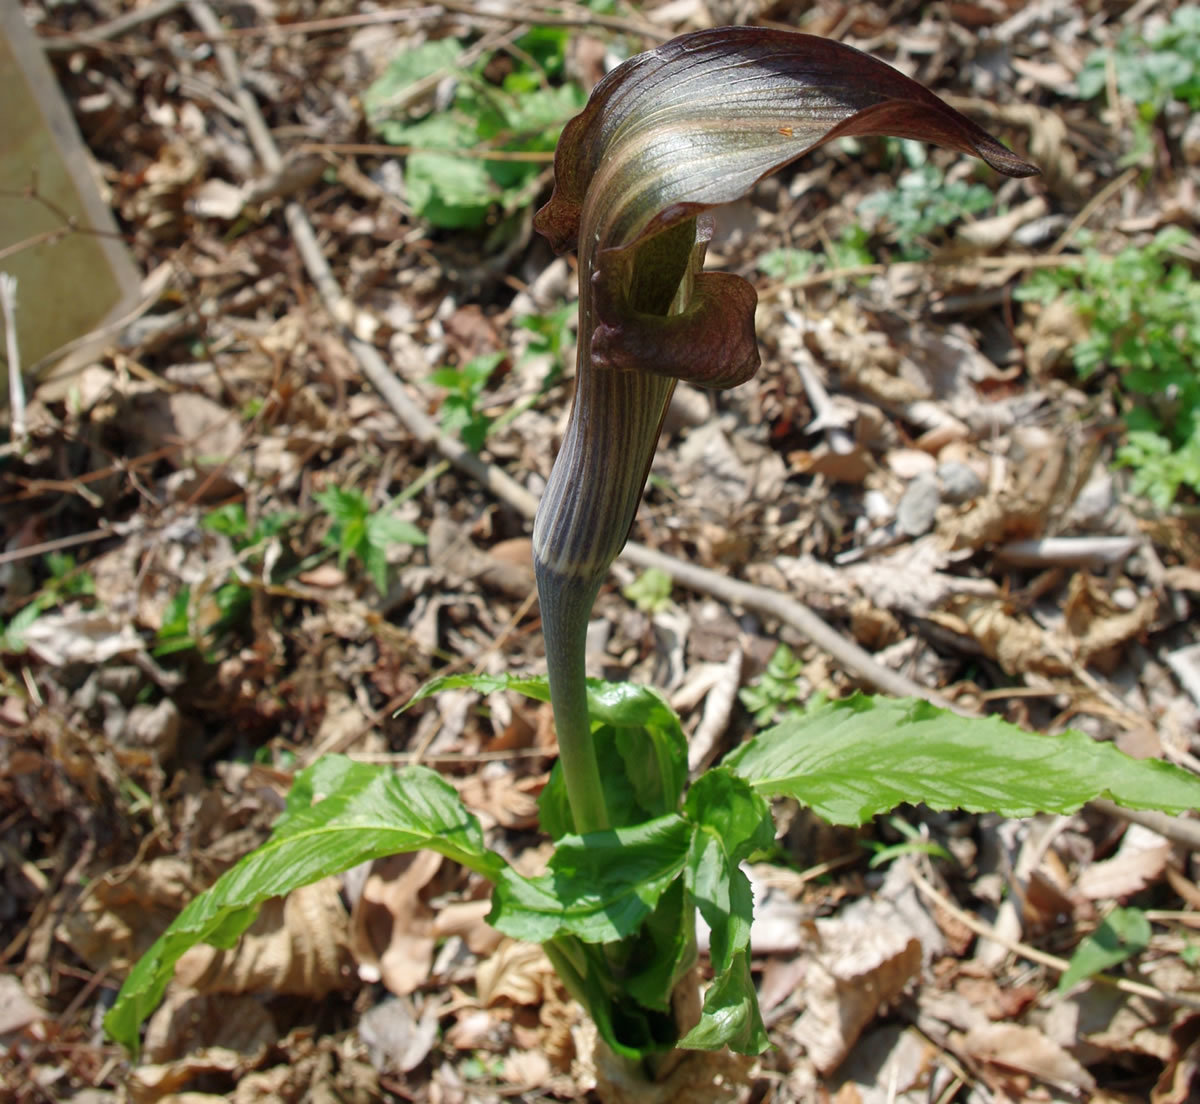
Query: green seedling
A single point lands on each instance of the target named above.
(552, 335)
(364, 534)
(922, 204)
(1141, 311)
(776, 693)
(638, 851)
(450, 180)
(1150, 70)
(848, 250)
(650, 591)
(64, 581)
(914, 843)
(461, 411)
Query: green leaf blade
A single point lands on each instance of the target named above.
(1123, 933)
(730, 1016)
(599, 887)
(854, 759)
(340, 813)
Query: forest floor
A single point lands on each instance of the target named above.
(973, 448)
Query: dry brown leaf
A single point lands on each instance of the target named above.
(856, 969)
(118, 921)
(1015, 642)
(1097, 622)
(1138, 863)
(151, 1082)
(397, 1038)
(502, 797)
(391, 926)
(468, 919)
(17, 1009)
(517, 972)
(1179, 1083)
(188, 1022)
(1027, 1050)
(298, 945)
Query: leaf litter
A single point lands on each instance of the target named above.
(153, 715)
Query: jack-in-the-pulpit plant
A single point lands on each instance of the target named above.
(637, 850)
(664, 138)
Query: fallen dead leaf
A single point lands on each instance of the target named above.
(188, 1022)
(517, 972)
(391, 926)
(397, 1036)
(1027, 1050)
(298, 945)
(1139, 862)
(855, 970)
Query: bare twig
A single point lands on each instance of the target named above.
(16, 386)
(114, 28)
(564, 16)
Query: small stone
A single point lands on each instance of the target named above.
(878, 507)
(960, 482)
(918, 507)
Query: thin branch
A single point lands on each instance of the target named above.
(16, 385)
(581, 18)
(114, 28)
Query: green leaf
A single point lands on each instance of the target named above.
(339, 813)
(599, 887)
(391, 90)
(452, 192)
(650, 591)
(732, 822)
(853, 759)
(730, 1017)
(1124, 933)
(531, 686)
(661, 952)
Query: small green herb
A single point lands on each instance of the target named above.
(522, 114)
(914, 843)
(365, 534)
(460, 408)
(175, 632)
(788, 264)
(650, 591)
(1150, 70)
(924, 202)
(1141, 310)
(777, 692)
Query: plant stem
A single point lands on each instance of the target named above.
(587, 509)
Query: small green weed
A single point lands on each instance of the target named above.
(1150, 70)
(1142, 312)
(650, 591)
(915, 842)
(521, 115)
(848, 250)
(922, 203)
(461, 411)
(363, 533)
(777, 693)
(65, 581)
(552, 335)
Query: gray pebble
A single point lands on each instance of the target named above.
(960, 482)
(918, 506)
